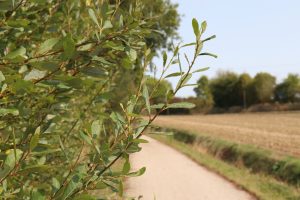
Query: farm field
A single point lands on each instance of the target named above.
(279, 132)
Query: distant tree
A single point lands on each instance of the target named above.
(264, 85)
(224, 89)
(167, 21)
(203, 90)
(159, 90)
(288, 90)
(244, 84)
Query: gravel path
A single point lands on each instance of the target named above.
(170, 175)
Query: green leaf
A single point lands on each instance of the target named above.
(107, 24)
(208, 54)
(15, 54)
(126, 167)
(203, 27)
(209, 38)
(17, 23)
(93, 16)
(45, 65)
(47, 45)
(86, 138)
(181, 105)
(2, 77)
(75, 83)
(94, 72)
(96, 128)
(196, 27)
(132, 55)
(35, 139)
(74, 183)
(13, 156)
(157, 106)
(69, 47)
(189, 44)
(165, 57)
(138, 173)
(175, 74)
(6, 111)
(146, 97)
(183, 80)
(34, 169)
(36, 195)
(201, 70)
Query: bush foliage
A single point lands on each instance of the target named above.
(69, 107)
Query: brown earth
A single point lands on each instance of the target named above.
(279, 132)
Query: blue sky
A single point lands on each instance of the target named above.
(252, 36)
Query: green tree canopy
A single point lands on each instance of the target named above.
(264, 85)
(224, 89)
(203, 91)
(288, 90)
(244, 88)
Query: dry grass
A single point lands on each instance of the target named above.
(275, 131)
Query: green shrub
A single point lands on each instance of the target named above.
(72, 93)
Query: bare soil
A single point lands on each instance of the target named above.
(278, 132)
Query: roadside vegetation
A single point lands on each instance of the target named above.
(73, 91)
(213, 155)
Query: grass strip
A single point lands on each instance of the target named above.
(262, 186)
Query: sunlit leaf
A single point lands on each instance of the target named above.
(196, 27)
(35, 138)
(47, 45)
(93, 16)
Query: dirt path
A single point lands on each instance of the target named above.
(172, 176)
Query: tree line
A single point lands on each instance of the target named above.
(228, 89)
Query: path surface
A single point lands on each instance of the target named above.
(172, 176)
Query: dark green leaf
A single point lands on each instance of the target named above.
(208, 54)
(209, 38)
(69, 47)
